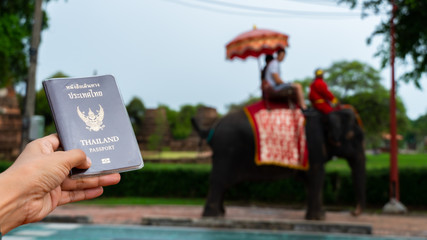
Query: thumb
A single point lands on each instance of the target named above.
(74, 158)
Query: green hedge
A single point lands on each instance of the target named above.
(192, 181)
(338, 189)
(155, 182)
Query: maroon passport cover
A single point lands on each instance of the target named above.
(89, 114)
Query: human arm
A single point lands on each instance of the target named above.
(272, 73)
(323, 90)
(38, 182)
(277, 78)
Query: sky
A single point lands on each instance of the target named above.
(173, 51)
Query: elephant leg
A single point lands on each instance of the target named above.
(357, 211)
(214, 206)
(358, 172)
(314, 183)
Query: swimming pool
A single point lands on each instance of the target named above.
(48, 231)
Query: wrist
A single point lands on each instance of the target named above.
(10, 203)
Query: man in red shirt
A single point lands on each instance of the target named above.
(320, 96)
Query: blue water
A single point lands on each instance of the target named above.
(47, 231)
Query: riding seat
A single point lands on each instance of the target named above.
(287, 95)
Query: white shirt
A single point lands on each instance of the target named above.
(273, 67)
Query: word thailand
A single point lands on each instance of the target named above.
(97, 141)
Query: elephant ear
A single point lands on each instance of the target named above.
(341, 125)
(334, 126)
(350, 124)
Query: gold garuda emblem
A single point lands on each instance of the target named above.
(93, 121)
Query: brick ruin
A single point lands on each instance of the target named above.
(11, 127)
(205, 116)
(10, 124)
(149, 125)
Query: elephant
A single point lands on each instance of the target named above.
(232, 142)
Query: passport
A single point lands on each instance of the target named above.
(90, 115)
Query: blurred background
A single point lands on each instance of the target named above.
(169, 60)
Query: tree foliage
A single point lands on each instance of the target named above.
(359, 84)
(136, 112)
(59, 74)
(421, 125)
(155, 140)
(16, 18)
(237, 106)
(374, 110)
(418, 132)
(410, 33)
(180, 121)
(350, 77)
(42, 106)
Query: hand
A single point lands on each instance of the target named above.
(335, 102)
(38, 182)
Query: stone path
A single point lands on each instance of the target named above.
(382, 225)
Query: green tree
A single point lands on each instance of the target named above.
(418, 131)
(421, 125)
(410, 33)
(136, 112)
(42, 106)
(237, 106)
(180, 121)
(16, 18)
(358, 84)
(350, 77)
(155, 140)
(305, 83)
(59, 74)
(374, 110)
(182, 127)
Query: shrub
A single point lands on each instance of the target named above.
(192, 181)
(338, 189)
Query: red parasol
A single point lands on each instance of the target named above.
(255, 43)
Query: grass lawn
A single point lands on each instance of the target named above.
(373, 162)
(172, 166)
(153, 155)
(382, 161)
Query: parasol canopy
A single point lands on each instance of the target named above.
(255, 43)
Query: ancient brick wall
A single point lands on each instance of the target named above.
(205, 116)
(149, 127)
(10, 124)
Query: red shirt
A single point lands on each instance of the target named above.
(320, 96)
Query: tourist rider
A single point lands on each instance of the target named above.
(272, 76)
(321, 98)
